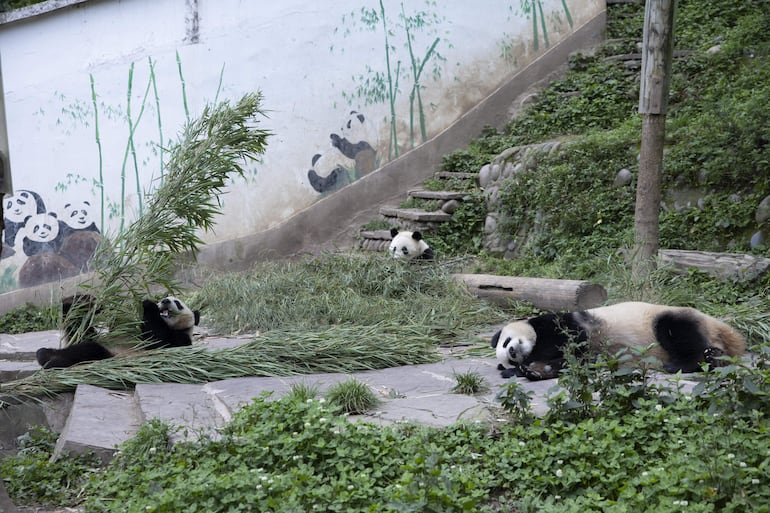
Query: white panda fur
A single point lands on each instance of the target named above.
(168, 323)
(409, 245)
(682, 338)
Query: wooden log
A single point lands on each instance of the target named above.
(725, 266)
(546, 294)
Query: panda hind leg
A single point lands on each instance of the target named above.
(679, 334)
(324, 183)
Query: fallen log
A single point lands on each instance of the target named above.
(544, 293)
(725, 266)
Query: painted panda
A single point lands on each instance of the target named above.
(169, 323)
(350, 157)
(409, 245)
(41, 234)
(16, 210)
(682, 338)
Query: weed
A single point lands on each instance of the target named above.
(470, 383)
(352, 396)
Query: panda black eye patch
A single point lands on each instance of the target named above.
(179, 305)
(507, 341)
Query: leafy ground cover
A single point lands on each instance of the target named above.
(638, 448)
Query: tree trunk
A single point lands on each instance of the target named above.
(658, 48)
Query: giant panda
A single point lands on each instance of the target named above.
(681, 338)
(169, 323)
(409, 245)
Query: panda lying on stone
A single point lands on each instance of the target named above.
(409, 245)
(169, 323)
(682, 338)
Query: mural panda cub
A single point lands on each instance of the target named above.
(682, 338)
(168, 323)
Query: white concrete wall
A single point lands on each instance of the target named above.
(310, 59)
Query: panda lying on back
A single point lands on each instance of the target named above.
(169, 323)
(409, 245)
(682, 338)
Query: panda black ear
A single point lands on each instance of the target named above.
(360, 117)
(393, 232)
(496, 338)
(417, 235)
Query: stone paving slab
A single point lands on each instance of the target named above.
(183, 405)
(24, 345)
(99, 420)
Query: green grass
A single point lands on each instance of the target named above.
(352, 397)
(332, 289)
(470, 383)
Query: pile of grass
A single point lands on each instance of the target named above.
(355, 288)
(286, 352)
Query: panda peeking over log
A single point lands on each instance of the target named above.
(168, 323)
(409, 245)
(683, 339)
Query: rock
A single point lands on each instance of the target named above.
(623, 178)
(763, 210)
(757, 240)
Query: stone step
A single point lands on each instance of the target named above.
(451, 175)
(416, 215)
(22, 347)
(436, 195)
(99, 421)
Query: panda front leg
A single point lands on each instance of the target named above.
(538, 371)
(154, 327)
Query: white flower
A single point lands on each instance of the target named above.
(658, 407)
(350, 487)
(755, 481)
(730, 456)
(322, 420)
(322, 400)
(152, 450)
(559, 472)
(742, 464)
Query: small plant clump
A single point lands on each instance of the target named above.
(352, 397)
(470, 383)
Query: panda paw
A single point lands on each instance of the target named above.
(538, 371)
(712, 357)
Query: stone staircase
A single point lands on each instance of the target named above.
(420, 218)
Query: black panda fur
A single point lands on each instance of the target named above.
(410, 245)
(168, 323)
(682, 338)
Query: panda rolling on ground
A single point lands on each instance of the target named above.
(409, 245)
(682, 338)
(169, 323)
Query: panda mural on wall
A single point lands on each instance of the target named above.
(41, 234)
(78, 234)
(351, 157)
(16, 210)
(40, 246)
(41, 243)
